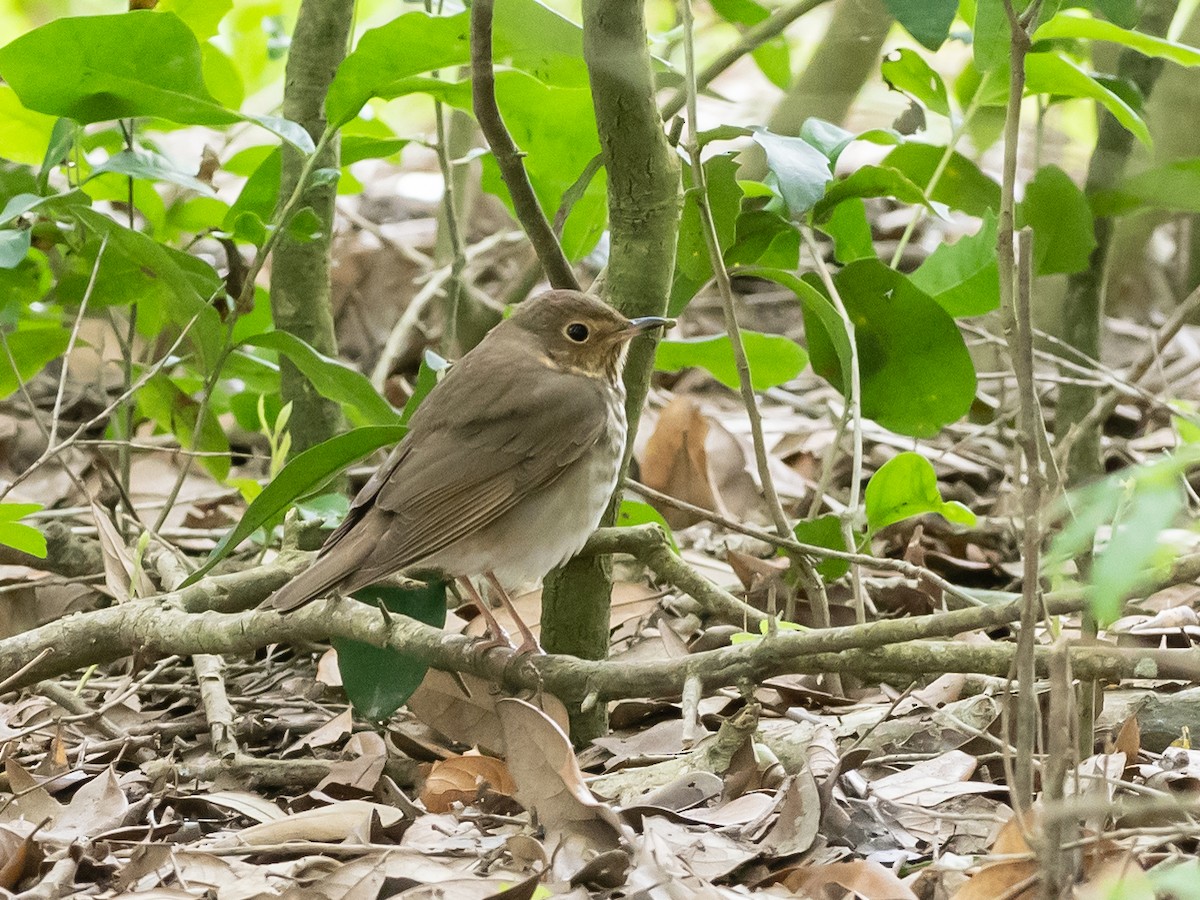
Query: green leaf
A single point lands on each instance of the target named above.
(32, 346)
(174, 411)
(991, 35)
(824, 531)
(868, 181)
(928, 21)
(773, 358)
(26, 133)
(303, 475)
(764, 238)
(1064, 232)
(428, 374)
(774, 60)
(1074, 25)
(1054, 74)
(24, 538)
(138, 63)
(850, 231)
(1121, 566)
(14, 245)
(1120, 12)
(332, 379)
(816, 306)
(202, 16)
(527, 35)
(962, 277)
(634, 512)
(801, 171)
(693, 267)
(906, 486)
(140, 163)
(1173, 186)
(961, 186)
(916, 374)
(906, 70)
(379, 680)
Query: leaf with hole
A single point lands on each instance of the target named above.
(906, 70)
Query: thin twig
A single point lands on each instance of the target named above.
(508, 158)
(854, 410)
(66, 357)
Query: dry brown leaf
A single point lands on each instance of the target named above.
(549, 783)
(1129, 738)
(931, 781)
(866, 879)
(328, 734)
(462, 779)
(463, 708)
(675, 462)
(20, 857)
(335, 822)
(999, 880)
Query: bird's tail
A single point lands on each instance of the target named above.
(328, 571)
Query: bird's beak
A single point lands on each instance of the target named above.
(642, 324)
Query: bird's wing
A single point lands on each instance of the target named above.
(480, 441)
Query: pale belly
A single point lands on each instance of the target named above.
(548, 528)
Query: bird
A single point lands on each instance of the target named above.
(506, 468)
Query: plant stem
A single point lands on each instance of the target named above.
(508, 157)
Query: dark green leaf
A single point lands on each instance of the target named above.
(928, 21)
(379, 680)
(824, 531)
(916, 374)
(961, 186)
(801, 171)
(906, 486)
(1174, 186)
(962, 277)
(868, 181)
(851, 232)
(305, 225)
(764, 238)
(907, 71)
(1120, 12)
(332, 378)
(773, 358)
(303, 475)
(817, 308)
(991, 35)
(1064, 233)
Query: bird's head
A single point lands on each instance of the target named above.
(575, 332)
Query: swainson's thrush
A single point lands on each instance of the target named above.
(507, 465)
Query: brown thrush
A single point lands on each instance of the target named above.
(507, 466)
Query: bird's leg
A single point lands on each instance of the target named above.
(529, 643)
(498, 636)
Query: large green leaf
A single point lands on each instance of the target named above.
(773, 358)
(526, 35)
(906, 486)
(26, 133)
(1064, 232)
(1074, 25)
(1054, 74)
(825, 531)
(332, 378)
(915, 372)
(379, 680)
(868, 181)
(963, 277)
(851, 232)
(961, 186)
(303, 475)
(816, 306)
(139, 63)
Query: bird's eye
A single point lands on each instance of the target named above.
(578, 332)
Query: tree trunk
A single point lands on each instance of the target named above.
(643, 207)
(300, 292)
